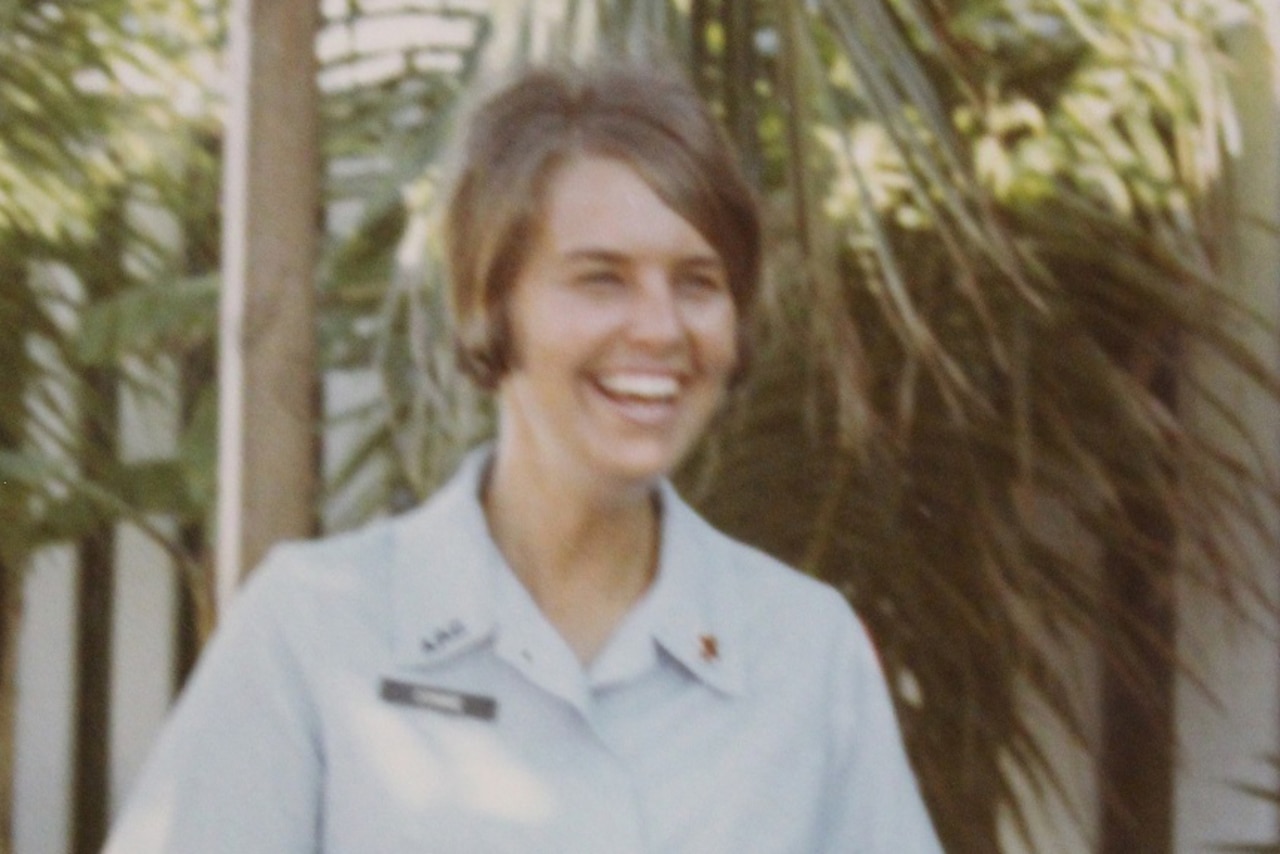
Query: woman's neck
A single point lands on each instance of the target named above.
(585, 555)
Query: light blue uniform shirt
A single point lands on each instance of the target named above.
(397, 690)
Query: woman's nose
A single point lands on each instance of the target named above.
(655, 312)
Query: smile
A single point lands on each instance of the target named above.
(649, 388)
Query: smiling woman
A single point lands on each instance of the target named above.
(623, 330)
(555, 653)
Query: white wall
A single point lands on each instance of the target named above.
(43, 716)
(1227, 731)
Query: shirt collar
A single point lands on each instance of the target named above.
(443, 564)
(695, 605)
(446, 575)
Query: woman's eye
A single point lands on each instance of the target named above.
(600, 278)
(701, 284)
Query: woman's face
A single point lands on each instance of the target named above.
(624, 331)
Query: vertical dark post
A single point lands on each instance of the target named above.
(14, 380)
(102, 274)
(94, 604)
(11, 578)
(741, 114)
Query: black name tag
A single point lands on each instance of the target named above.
(441, 700)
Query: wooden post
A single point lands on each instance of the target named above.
(267, 364)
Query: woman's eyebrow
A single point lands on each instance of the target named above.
(713, 262)
(610, 256)
(604, 256)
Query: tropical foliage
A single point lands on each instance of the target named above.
(993, 240)
(91, 156)
(92, 160)
(110, 162)
(994, 244)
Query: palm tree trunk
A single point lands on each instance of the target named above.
(14, 505)
(198, 372)
(739, 74)
(92, 764)
(102, 273)
(1136, 765)
(95, 600)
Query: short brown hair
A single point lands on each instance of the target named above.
(652, 120)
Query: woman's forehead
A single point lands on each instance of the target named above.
(595, 206)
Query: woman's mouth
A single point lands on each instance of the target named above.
(649, 388)
(642, 397)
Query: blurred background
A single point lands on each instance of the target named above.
(1015, 390)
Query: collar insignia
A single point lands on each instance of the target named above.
(710, 648)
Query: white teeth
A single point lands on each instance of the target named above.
(648, 386)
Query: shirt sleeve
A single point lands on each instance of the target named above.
(237, 767)
(874, 805)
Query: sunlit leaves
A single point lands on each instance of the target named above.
(985, 226)
(85, 89)
(97, 104)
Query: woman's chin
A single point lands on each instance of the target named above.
(636, 464)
